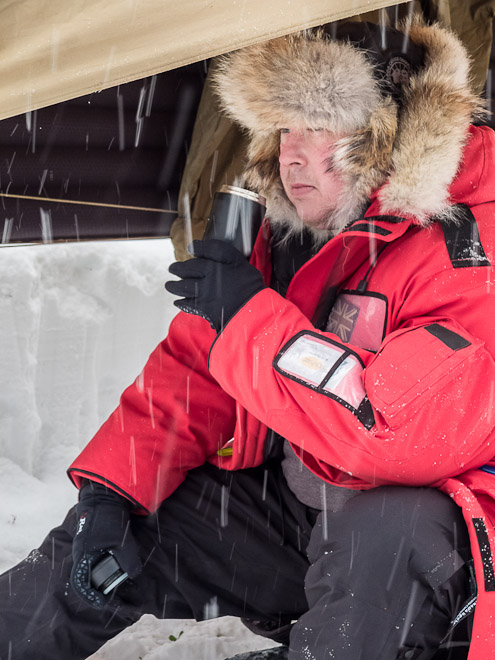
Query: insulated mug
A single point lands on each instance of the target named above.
(236, 215)
(106, 574)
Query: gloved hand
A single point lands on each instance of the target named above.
(103, 527)
(216, 284)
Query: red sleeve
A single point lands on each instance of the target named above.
(168, 421)
(418, 410)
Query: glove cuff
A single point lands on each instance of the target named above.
(92, 491)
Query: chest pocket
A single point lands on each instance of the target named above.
(359, 318)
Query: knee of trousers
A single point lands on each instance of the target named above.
(419, 527)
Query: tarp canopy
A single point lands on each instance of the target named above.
(55, 50)
(99, 100)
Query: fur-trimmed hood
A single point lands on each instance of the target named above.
(410, 146)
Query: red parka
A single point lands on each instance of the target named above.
(398, 388)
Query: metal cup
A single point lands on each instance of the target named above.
(106, 574)
(236, 215)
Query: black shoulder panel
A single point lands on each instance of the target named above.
(392, 219)
(463, 241)
(369, 227)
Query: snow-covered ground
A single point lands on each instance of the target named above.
(77, 323)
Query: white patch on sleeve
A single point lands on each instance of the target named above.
(346, 382)
(310, 359)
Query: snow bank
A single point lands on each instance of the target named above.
(77, 323)
(151, 639)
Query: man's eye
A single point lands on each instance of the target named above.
(285, 130)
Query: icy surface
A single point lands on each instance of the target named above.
(149, 639)
(77, 323)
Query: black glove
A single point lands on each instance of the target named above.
(216, 284)
(103, 527)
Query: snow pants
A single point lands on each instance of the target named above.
(378, 580)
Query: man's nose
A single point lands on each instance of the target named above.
(292, 149)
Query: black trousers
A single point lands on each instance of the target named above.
(380, 580)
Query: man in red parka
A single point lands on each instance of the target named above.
(311, 447)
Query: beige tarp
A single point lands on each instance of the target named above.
(54, 50)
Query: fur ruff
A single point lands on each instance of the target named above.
(307, 80)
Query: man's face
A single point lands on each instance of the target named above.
(307, 174)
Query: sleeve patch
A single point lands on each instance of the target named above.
(345, 382)
(324, 366)
(310, 359)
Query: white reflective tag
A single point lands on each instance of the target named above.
(310, 359)
(346, 382)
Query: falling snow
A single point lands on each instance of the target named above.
(77, 323)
